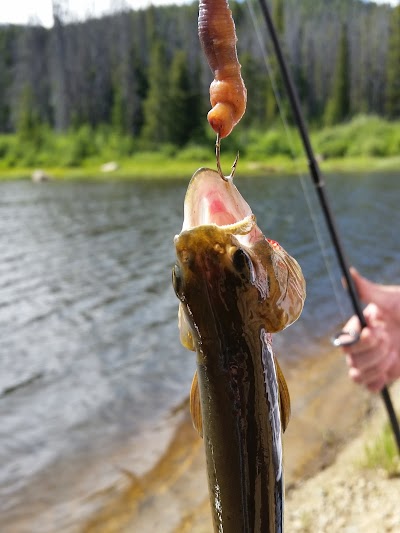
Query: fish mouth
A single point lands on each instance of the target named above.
(212, 200)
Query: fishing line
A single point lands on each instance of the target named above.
(303, 182)
(323, 200)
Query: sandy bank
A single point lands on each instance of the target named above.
(346, 497)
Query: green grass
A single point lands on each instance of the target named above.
(363, 144)
(382, 453)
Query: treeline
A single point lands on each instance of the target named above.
(143, 74)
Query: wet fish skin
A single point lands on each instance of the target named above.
(227, 315)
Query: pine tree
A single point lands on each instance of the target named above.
(28, 126)
(118, 119)
(338, 107)
(180, 123)
(139, 95)
(155, 107)
(392, 97)
(256, 82)
(198, 109)
(279, 16)
(271, 104)
(6, 38)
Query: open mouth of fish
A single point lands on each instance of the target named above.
(212, 200)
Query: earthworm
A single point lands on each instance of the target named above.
(228, 94)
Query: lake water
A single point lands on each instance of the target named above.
(90, 358)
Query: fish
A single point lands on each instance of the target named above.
(235, 289)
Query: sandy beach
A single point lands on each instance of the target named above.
(347, 496)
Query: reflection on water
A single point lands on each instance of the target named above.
(89, 350)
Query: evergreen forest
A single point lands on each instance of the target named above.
(141, 75)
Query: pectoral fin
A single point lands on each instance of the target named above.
(195, 406)
(284, 396)
(185, 331)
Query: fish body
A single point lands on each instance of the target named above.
(235, 289)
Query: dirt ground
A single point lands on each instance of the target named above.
(346, 497)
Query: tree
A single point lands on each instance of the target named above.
(256, 82)
(197, 107)
(60, 80)
(338, 107)
(279, 16)
(392, 97)
(118, 117)
(7, 37)
(155, 107)
(272, 110)
(28, 125)
(179, 123)
(141, 87)
(184, 108)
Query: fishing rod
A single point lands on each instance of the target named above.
(323, 199)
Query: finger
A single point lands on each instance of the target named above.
(369, 291)
(353, 324)
(373, 315)
(393, 372)
(365, 288)
(376, 362)
(392, 365)
(349, 335)
(364, 361)
(377, 385)
(369, 341)
(370, 378)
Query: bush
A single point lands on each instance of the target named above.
(195, 152)
(367, 136)
(272, 143)
(363, 136)
(329, 144)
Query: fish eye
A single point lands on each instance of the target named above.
(241, 261)
(176, 279)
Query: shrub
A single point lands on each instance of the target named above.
(194, 152)
(271, 143)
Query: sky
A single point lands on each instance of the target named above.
(23, 11)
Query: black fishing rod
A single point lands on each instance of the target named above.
(323, 199)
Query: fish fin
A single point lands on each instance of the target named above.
(195, 406)
(284, 396)
(185, 332)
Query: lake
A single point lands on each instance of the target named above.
(90, 359)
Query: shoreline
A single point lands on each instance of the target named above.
(131, 170)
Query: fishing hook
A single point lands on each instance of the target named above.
(323, 199)
(218, 158)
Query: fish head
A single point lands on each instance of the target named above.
(226, 267)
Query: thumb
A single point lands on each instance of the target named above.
(368, 291)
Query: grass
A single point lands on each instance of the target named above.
(382, 453)
(169, 168)
(362, 144)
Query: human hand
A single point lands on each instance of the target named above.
(374, 361)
